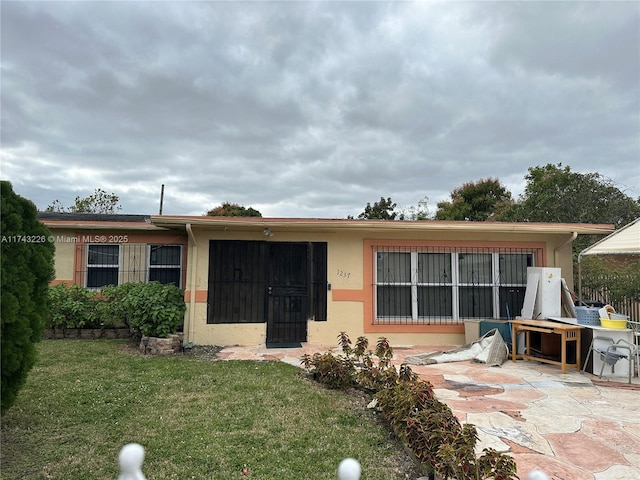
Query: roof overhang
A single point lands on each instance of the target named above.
(314, 224)
(88, 221)
(101, 225)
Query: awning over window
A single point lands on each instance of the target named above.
(625, 241)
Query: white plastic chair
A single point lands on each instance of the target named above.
(635, 326)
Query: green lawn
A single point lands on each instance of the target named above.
(196, 418)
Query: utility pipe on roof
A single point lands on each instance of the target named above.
(193, 253)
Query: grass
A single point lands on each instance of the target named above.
(196, 418)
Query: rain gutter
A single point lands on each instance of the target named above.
(193, 254)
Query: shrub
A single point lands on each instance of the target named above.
(73, 307)
(151, 309)
(154, 309)
(332, 371)
(358, 366)
(427, 426)
(610, 281)
(26, 257)
(114, 310)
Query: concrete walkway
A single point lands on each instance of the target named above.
(572, 426)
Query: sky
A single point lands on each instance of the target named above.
(312, 109)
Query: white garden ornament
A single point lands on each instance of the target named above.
(349, 469)
(130, 461)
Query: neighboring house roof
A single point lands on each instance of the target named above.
(315, 224)
(96, 221)
(625, 241)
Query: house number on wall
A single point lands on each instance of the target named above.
(343, 274)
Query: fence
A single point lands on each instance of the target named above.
(626, 306)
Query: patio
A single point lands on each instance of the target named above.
(572, 426)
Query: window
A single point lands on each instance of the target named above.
(165, 264)
(102, 265)
(416, 286)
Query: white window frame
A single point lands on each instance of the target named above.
(175, 266)
(101, 265)
(455, 284)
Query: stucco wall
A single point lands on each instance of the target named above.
(347, 299)
(64, 242)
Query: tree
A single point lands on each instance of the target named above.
(556, 194)
(26, 257)
(233, 210)
(418, 212)
(99, 202)
(382, 210)
(475, 201)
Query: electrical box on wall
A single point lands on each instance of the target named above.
(543, 296)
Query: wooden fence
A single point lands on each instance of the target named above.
(628, 307)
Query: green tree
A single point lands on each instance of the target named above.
(381, 210)
(99, 202)
(475, 201)
(26, 255)
(558, 195)
(233, 210)
(612, 281)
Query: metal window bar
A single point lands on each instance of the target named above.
(99, 265)
(438, 285)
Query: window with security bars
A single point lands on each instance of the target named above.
(115, 264)
(103, 263)
(165, 264)
(435, 286)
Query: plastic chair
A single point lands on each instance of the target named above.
(610, 355)
(635, 326)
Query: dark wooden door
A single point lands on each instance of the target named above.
(287, 292)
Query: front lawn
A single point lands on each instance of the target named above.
(196, 418)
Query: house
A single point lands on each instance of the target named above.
(278, 281)
(94, 250)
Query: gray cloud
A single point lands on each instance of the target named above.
(313, 108)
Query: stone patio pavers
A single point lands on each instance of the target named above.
(591, 454)
(497, 424)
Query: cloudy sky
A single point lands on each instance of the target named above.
(306, 109)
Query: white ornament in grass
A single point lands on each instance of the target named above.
(537, 475)
(130, 461)
(349, 469)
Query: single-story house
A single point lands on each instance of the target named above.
(254, 280)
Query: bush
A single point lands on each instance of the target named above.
(73, 307)
(114, 310)
(357, 366)
(27, 268)
(425, 425)
(610, 281)
(151, 309)
(154, 309)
